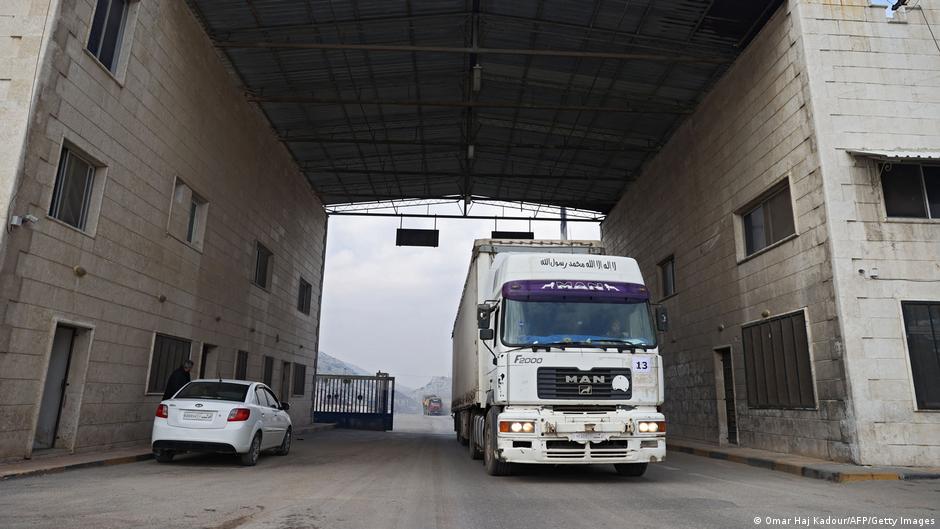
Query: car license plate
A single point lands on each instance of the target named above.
(584, 437)
(198, 415)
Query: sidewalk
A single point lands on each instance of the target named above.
(59, 463)
(801, 466)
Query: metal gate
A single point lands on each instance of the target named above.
(358, 402)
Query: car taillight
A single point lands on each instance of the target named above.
(239, 414)
(162, 411)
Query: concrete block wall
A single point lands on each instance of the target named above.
(172, 112)
(23, 25)
(875, 84)
(753, 130)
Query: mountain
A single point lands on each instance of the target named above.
(329, 365)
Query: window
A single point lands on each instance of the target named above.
(71, 196)
(268, 371)
(272, 400)
(188, 215)
(215, 391)
(667, 275)
(169, 353)
(241, 365)
(922, 324)
(262, 265)
(304, 294)
(777, 364)
(911, 191)
(768, 221)
(300, 379)
(107, 32)
(262, 397)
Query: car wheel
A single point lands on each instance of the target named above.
(284, 449)
(494, 466)
(163, 456)
(250, 458)
(631, 469)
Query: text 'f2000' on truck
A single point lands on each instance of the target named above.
(556, 358)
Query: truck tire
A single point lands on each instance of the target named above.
(491, 461)
(474, 444)
(634, 470)
(458, 424)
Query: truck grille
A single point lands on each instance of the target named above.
(571, 383)
(564, 449)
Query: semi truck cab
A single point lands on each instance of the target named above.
(568, 363)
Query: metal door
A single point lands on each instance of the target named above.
(52, 394)
(358, 402)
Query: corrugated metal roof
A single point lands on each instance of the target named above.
(376, 99)
(883, 154)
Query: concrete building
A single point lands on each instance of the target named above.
(811, 125)
(170, 224)
(786, 205)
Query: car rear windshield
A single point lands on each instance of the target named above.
(214, 391)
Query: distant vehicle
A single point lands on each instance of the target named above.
(555, 358)
(222, 416)
(433, 405)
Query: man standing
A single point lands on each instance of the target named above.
(178, 379)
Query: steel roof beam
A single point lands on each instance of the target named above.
(622, 56)
(652, 109)
(440, 143)
(448, 174)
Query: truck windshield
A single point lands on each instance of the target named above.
(551, 322)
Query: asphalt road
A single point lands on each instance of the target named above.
(421, 478)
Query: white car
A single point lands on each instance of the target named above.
(221, 416)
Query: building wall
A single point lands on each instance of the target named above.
(876, 85)
(173, 111)
(23, 24)
(754, 129)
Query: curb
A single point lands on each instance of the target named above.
(822, 470)
(122, 460)
(75, 466)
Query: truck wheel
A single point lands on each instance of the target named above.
(474, 445)
(494, 466)
(457, 424)
(631, 469)
(163, 456)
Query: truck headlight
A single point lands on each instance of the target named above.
(517, 426)
(651, 427)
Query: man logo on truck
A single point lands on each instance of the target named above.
(573, 379)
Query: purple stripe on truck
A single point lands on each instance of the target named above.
(574, 290)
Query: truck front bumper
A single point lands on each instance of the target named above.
(581, 438)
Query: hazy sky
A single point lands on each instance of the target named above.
(392, 308)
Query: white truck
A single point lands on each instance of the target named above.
(555, 358)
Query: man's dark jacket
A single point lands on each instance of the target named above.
(178, 379)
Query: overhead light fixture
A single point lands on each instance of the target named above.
(470, 151)
(477, 77)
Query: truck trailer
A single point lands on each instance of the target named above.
(555, 358)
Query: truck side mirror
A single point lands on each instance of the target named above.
(483, 315)
(662, 319)
(487, 334)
